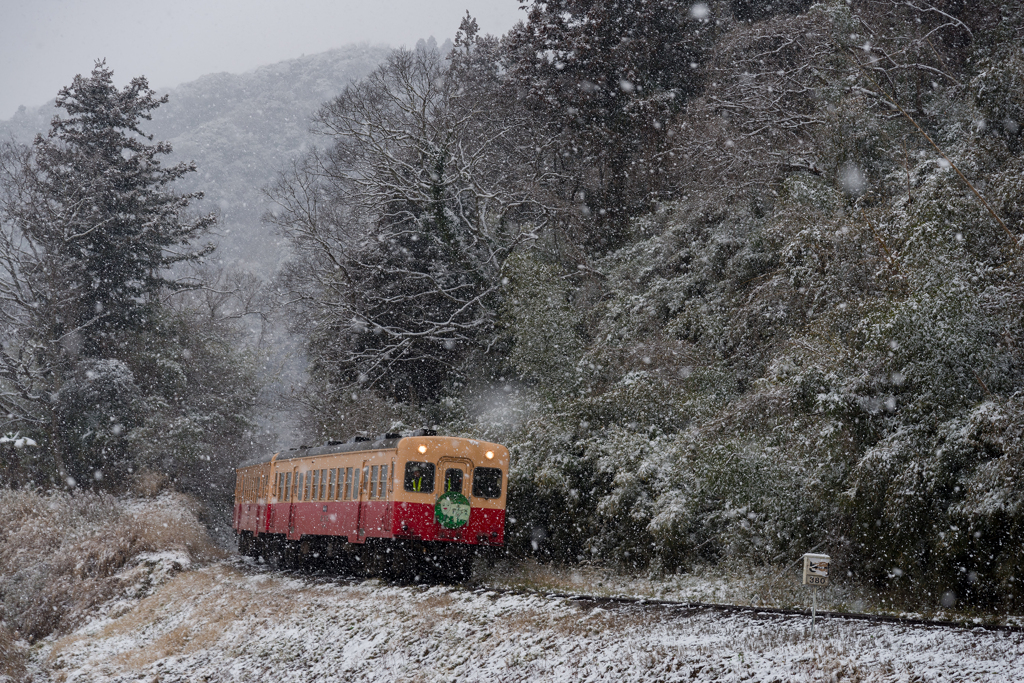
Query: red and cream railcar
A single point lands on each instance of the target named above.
(396, 499)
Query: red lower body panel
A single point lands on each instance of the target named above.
(416, 520)
(368, 519)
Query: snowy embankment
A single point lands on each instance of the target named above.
(104, 589)
(231, 622)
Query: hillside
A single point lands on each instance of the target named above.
(241, 130)
(734, 281)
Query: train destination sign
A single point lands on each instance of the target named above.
(816, 569)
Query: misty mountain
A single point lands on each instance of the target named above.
(241, 130)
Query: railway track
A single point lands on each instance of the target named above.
(682, 608)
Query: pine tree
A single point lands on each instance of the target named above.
(608, 77)
(91, 229)
(110, 219)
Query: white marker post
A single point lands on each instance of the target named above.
(815, 574)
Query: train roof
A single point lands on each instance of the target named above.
(353, 445)
(329, 448)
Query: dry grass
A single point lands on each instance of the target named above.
(215, 602)
(12, 658)
(61, 552)
(150, 484)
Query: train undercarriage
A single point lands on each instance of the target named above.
(403, 560)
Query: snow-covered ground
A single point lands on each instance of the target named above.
(233, 622)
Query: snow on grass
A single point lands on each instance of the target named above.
(222, 623)
(757, 586)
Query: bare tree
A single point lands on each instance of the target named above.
(403, 226)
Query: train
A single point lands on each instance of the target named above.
(405, 507)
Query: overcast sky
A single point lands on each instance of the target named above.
(44, 43)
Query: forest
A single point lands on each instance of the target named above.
(733, 280)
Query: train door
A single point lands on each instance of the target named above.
(388, 488)
(292, 496)
(455, 474)
(364, 497)
(262, 503)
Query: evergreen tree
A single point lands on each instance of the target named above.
(108, 216)
(92, 231)
(607, 78)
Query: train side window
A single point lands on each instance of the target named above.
(340, 489)
(374, 471)
(382, 485)
(453, 480)
(288, 486)
(419, 477)
(487, 482)
(355, 484)
(348, 483)
(322, 493)
(330, 484)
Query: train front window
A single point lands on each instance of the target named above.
(419, 477)
(453, 480)
(487, 482)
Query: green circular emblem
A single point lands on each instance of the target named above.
(452, 510)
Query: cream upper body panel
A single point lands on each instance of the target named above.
(467, 454)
